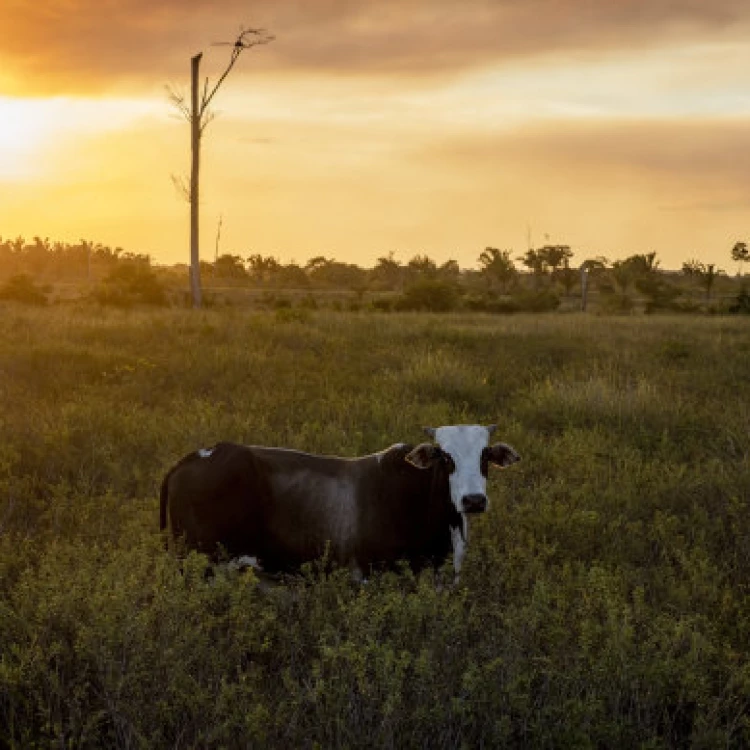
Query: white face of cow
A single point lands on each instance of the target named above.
(468, 484)
(466, 451)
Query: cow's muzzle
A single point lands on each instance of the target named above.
(474, 503)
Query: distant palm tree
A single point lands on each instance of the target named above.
(704, 274)
(422, 264)
(497, 266)
(388, 271)
(741, 254)
(536, 262)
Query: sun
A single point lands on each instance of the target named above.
(24, 131)
(35, 133)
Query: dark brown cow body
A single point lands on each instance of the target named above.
(282, 508)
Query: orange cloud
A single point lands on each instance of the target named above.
(67, 46)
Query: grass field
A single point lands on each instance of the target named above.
(604, 601)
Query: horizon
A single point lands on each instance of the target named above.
(417, 128)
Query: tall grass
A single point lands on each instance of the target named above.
(605, 596)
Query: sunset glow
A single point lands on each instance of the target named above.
(426, 127)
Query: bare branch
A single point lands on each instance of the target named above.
(204, 95)
(207, 119)
(182, 186)
(247, 39)
(178, 101)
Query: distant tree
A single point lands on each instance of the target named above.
(536, 262)
(449, 271)
(546, 260)
(741, 254)
(336, 275)
(704, 274)
(567, 276)
(593, 271)
(197, 113)
(291, 276)
(229, 267)
(388, 273)
(622, 273)
(633, 270)
(708, 278)
(263, 268)
(691, 268)
(644, 263)
(422, 265)
(37, 255)
(497, 267)
(555, 256)
(317, 262)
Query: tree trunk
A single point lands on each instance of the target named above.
(195, 145)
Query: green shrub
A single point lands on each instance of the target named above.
(616, 303)
(491, 303)
(544, 300)
(131, 283)
(429, 295)
(22, 288)
(741, 305)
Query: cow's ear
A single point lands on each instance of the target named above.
(423, 456)
(501, 454)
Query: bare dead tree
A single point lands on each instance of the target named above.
(198, 114)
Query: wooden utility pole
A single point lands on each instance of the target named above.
(584, 286)
(199, 115)
(218, 237)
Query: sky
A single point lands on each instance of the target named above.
(365, 128)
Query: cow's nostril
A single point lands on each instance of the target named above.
(474, 503)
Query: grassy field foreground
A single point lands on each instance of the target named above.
(605, 597)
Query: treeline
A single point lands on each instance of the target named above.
(538, 280)
(41, 258)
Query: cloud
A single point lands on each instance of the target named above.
(67, 46)
(698, 152)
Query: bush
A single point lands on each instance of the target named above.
(544, 300)
(429, 295)
(129, 284)
(741, 305)
(616, 303)
(491, 303)
(21, 288)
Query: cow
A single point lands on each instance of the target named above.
(275, 509)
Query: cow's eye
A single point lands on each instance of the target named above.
(448, 462)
